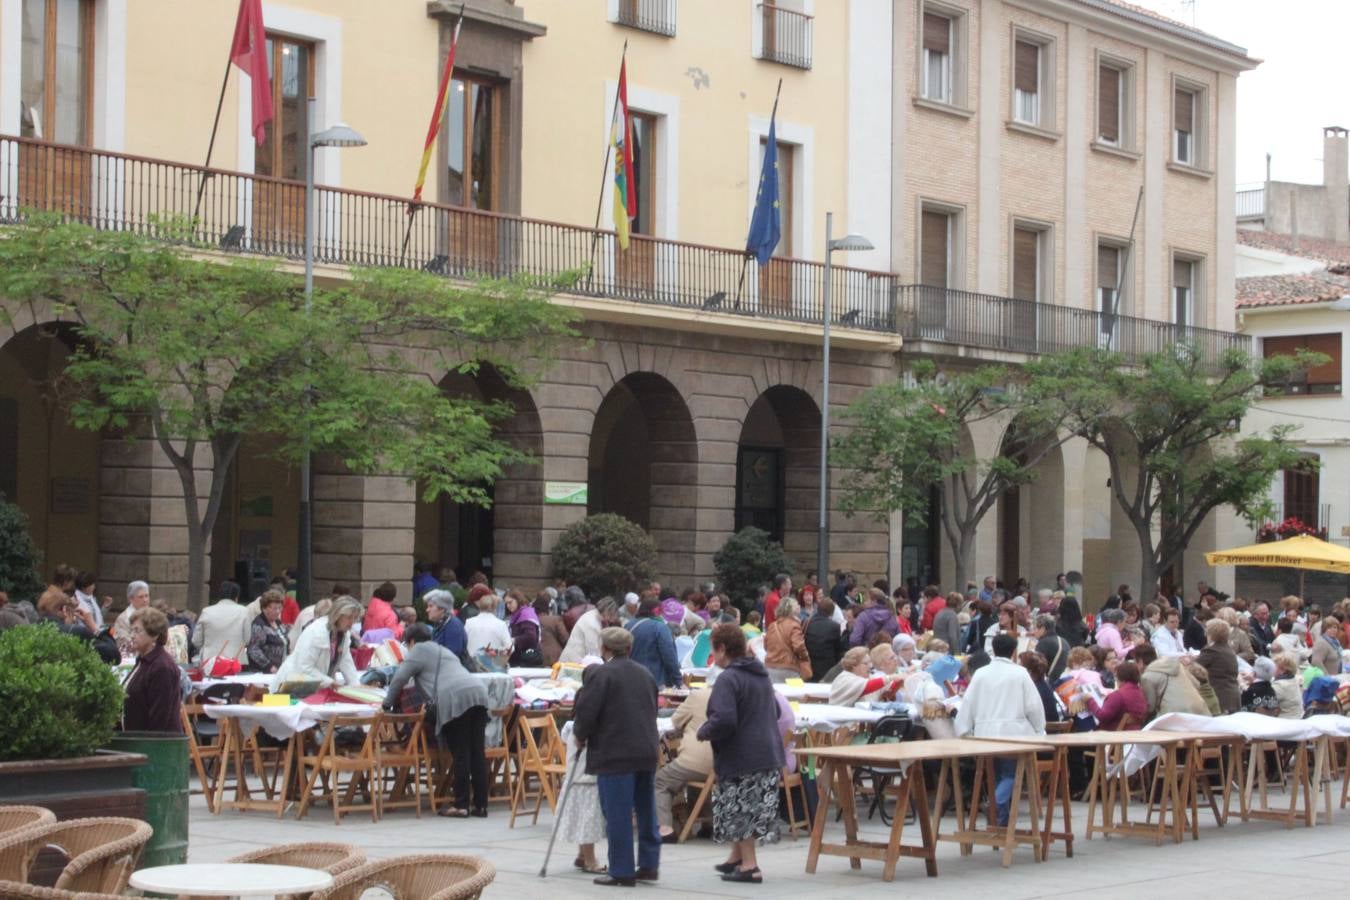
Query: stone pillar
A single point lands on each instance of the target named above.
(363, 529)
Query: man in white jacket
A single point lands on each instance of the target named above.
(1001, 702)
(585, 638)
(1167, 640)
(223, 628)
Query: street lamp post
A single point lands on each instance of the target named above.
(338, 136)
(852, 242)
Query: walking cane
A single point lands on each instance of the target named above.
(562, 801)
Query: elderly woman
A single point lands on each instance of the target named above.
(1108, 632)
(1220, 662)
(267, 643)
(1259, 697)
(324, 649)
(1326, 652)
(785, 653)
(748, 756)
(154, 688)
(906, 649)
(1126, 700)
(446, 628)
(1238, 638)
(461, 703)
(523, 623)
(1168, 686)
(1287, 686)
(855, 680)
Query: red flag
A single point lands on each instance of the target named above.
(249, 52)
(627, 140)
(437, 112)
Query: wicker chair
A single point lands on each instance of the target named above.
(102, 852)
(331, 858)
(430, 876)
(17, 818)
(13, 890)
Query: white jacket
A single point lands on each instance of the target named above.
(1001, 702)
(1167, 643)
(585, 638)
(224, 625)
(313, 657)
(1291, 644)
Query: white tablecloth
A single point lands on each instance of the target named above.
(1251, 726)
(283, 721)
(246, 678)
(804, 691)
(815, 716)
(531, 692)
(530, 674)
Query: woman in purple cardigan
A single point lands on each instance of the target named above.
(154, 689)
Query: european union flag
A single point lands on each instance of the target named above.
(766, 227)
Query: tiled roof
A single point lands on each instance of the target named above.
(1291, 290)
(1328, 252)
(1133, 11)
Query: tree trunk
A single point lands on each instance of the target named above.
(196, 570)
(1148, 569)
(961, 552)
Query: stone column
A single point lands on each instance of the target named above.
(363, 529)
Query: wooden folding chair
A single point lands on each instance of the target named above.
(792, 781)
(705, 788)
(401, 757)
(332, 761)
(201, 754)
(540, 756)
(500, 757)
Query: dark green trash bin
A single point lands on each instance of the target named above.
(164, 778)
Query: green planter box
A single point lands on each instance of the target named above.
(164, 778)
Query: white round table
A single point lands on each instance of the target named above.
(230, 880)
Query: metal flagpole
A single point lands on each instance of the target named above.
(211, 145)
(1120, 272)
(604, 170)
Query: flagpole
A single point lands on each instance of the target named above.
(211, 145)
(415, 205)
(604, 171)
(745, 264)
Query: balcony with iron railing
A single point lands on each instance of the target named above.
(239, 212)
(785, 36)
(655, 16)
(1251, 203)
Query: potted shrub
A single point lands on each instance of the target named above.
(59, 706)
(606, 555)
(748, 559)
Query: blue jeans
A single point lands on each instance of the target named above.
(621, 796)
(1005, 776)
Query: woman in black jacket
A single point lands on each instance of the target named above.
(825, 643)
(747, 754)
(1070, 624)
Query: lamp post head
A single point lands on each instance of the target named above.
(340, 135)
(851, 242)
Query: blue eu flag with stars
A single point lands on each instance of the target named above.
(766, 227)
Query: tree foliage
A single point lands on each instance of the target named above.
(20, 577)
(906, 437)
(605, 555)
(195, 353)
(749, 559)
(1169, 429)
(60, 699)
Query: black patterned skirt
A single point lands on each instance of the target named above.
(746, 807)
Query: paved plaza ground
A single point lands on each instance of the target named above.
(1252, 859)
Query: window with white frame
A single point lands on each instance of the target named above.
(1185, 289)
(1112, 287)
(1027, 69)
(939, 45)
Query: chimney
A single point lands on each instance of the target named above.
(1336, 180)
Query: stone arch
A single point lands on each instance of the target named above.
(48, 467)
(778, 470)
(642, 463)
(505, 539)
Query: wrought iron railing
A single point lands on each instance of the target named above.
(656, 16)
(256, 214)
(1251, 203)
(785, 36)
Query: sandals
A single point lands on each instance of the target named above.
(596, 869)
(727, 868)
(453, 812)
(749, 876)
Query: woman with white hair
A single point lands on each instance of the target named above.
(1259, 697)
(1288, 686)
(324, 649)
(905, 649)
(855, 680)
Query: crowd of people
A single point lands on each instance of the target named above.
(986, 661)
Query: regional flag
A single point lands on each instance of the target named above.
(621, 132)
(248, 51)
(766, 226)
(438, 111)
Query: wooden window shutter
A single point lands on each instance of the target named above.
(1025, 257)
(937, 33)
(1280, 346)
(1025, 70)
(1329, 344)
(1184, 105)
(1183, 271)
(933, 254)
(1108, 262)
(1108, 104)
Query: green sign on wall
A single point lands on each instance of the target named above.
(565, 493)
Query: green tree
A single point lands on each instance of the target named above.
(605, 555)
(1169, 429)
(19, 556)
(749, 559)
(907, 437)
(194, 353)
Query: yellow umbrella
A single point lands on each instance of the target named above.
(1301, 552)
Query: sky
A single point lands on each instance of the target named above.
(1300, 87)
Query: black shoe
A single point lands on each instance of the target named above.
(611, 881)
(647, 875)
(672, 838)
(751, 876)
(728, 867)
(480, 813)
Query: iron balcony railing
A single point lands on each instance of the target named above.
(785, 36)
(656, 16)
(1251, 203)
(256, 214)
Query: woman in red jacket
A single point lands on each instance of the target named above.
(1126, 699)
